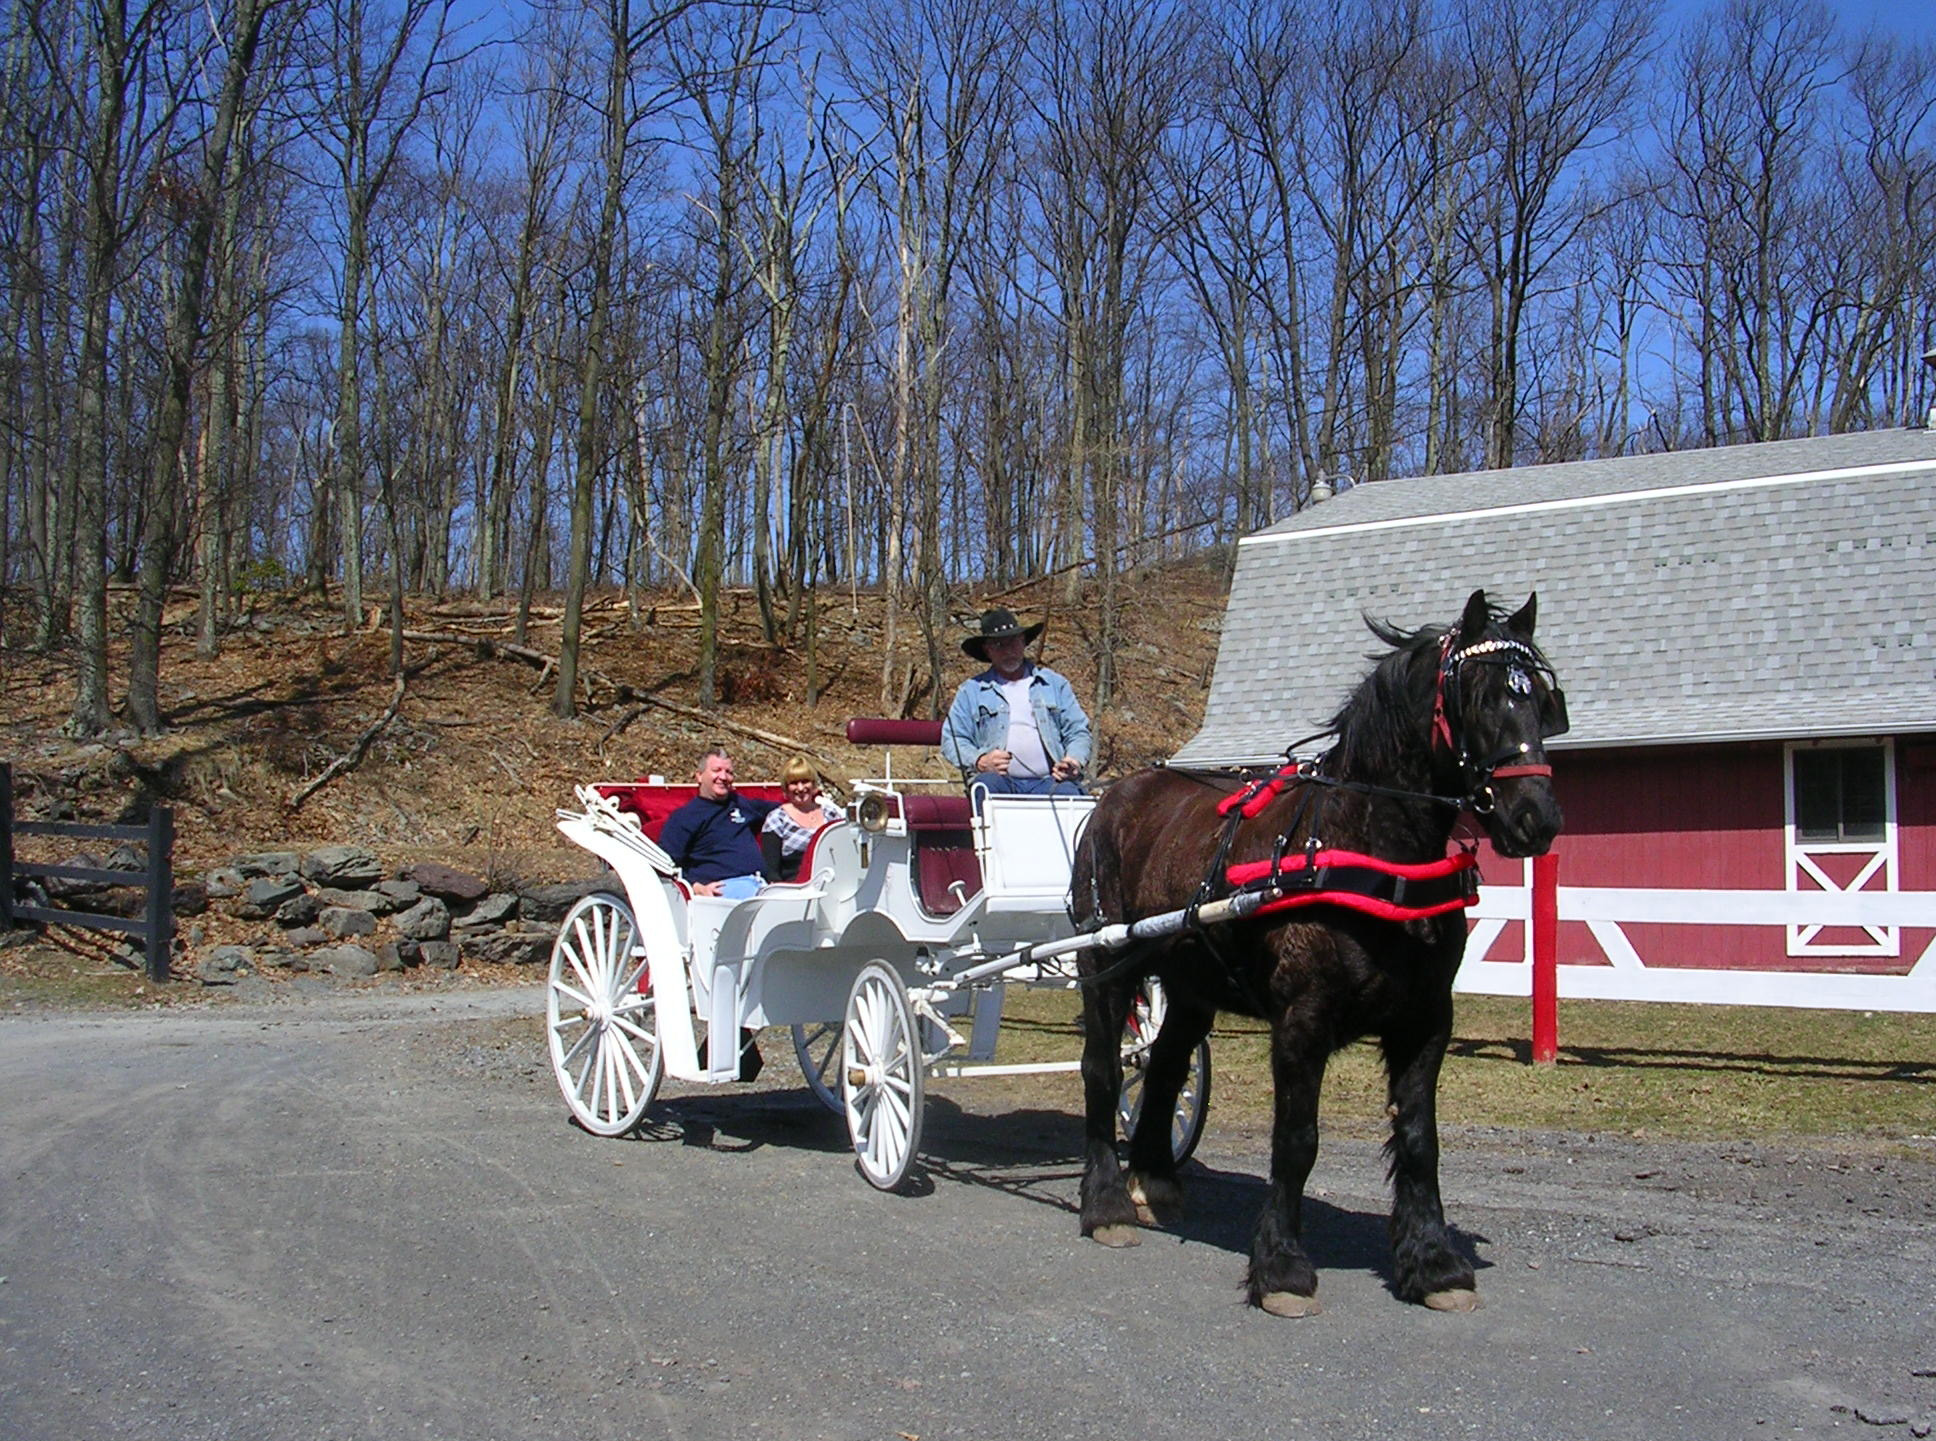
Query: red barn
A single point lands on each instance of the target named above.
(1745, 639)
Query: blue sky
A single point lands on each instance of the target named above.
(1915, 18)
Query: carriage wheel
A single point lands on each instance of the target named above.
(817, 1048)
(1192, 1102)
(601, 1019)
(881, 1075)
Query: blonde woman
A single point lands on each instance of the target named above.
(790, 828)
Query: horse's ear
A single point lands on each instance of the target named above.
(1520, 622)
(1478, 615)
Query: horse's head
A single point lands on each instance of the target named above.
(1495, 705)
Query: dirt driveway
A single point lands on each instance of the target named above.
(366, 1216)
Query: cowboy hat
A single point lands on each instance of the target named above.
(1000, 625)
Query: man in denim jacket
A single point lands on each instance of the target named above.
(1016, 728)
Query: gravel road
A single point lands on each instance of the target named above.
(366, 1216)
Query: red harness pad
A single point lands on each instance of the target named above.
(1254, 797)
(1389, 890)
(652, 803)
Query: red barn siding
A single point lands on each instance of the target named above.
(1710, 818)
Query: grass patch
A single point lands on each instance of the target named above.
(1652, 1069)
(42, 974)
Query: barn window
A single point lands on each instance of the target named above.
(1841, 794)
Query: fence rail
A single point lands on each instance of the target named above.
(154, 927)
(1622, 974)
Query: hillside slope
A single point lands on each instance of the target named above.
(473, 765)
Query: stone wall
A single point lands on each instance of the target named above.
(337, 910)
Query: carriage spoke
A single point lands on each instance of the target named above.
(579, 954)
(881, 1075)
(818, 1048)
(588, 1039)
(624, 1069)
(633, 1063)
(636, 1032)
(573, 994)
(630, 985)
(602, 1029)
(597, 1071)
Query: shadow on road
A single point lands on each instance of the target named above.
(1033, 1156)
(1756, 1063)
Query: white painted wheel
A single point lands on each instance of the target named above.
(601, 1019)
(1192, 1102)
(881, 1075)
(817, 1048)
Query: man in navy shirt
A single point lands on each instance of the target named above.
(715, 836)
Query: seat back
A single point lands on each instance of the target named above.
(1029, 844)
(653, 801)
(880, 731)
(941, 857)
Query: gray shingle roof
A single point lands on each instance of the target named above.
(1755, 591)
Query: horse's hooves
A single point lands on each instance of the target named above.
(1463, 1299)
(1289, 1303)
(1157, 1202)
(1117, 1235)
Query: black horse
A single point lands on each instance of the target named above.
(1449, 721)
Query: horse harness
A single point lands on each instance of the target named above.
(1315, 874)
(1390, 890)
(1522, 664)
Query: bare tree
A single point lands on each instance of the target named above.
(1112, 87)
(125, 120)
(544, 142)
(628, 37)
(203, 205)
(1550, 79)
(1751, 78)
(1883, 296)
(374, 71)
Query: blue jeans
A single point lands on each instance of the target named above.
(738, 888)
(995, 783)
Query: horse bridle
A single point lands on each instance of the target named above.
(1524, 664)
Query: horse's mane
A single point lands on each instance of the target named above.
(1377, 727)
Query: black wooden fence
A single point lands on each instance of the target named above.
(155, 926)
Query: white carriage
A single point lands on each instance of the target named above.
(888, 958)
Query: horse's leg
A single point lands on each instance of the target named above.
(1425, 1265)
(1108, 1215)
(1281, 1278)
(1153, 1185)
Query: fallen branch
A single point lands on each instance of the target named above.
(352, 757)
(623, 690)
(485, 645)
(789, 744)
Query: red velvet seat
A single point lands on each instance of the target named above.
(879, 731)
(940, 825)
(652, 802)
(944, 850)
(924, 811)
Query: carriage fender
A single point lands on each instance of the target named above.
(873, 935)
(659, 932)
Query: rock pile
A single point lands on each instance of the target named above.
(336, 910)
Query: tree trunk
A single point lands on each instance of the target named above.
(167, 455)
(591, 372)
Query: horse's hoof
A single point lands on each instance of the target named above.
(1116, 1236)
(1158, 1201)
(1289, 1303)
(1463, 1299)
